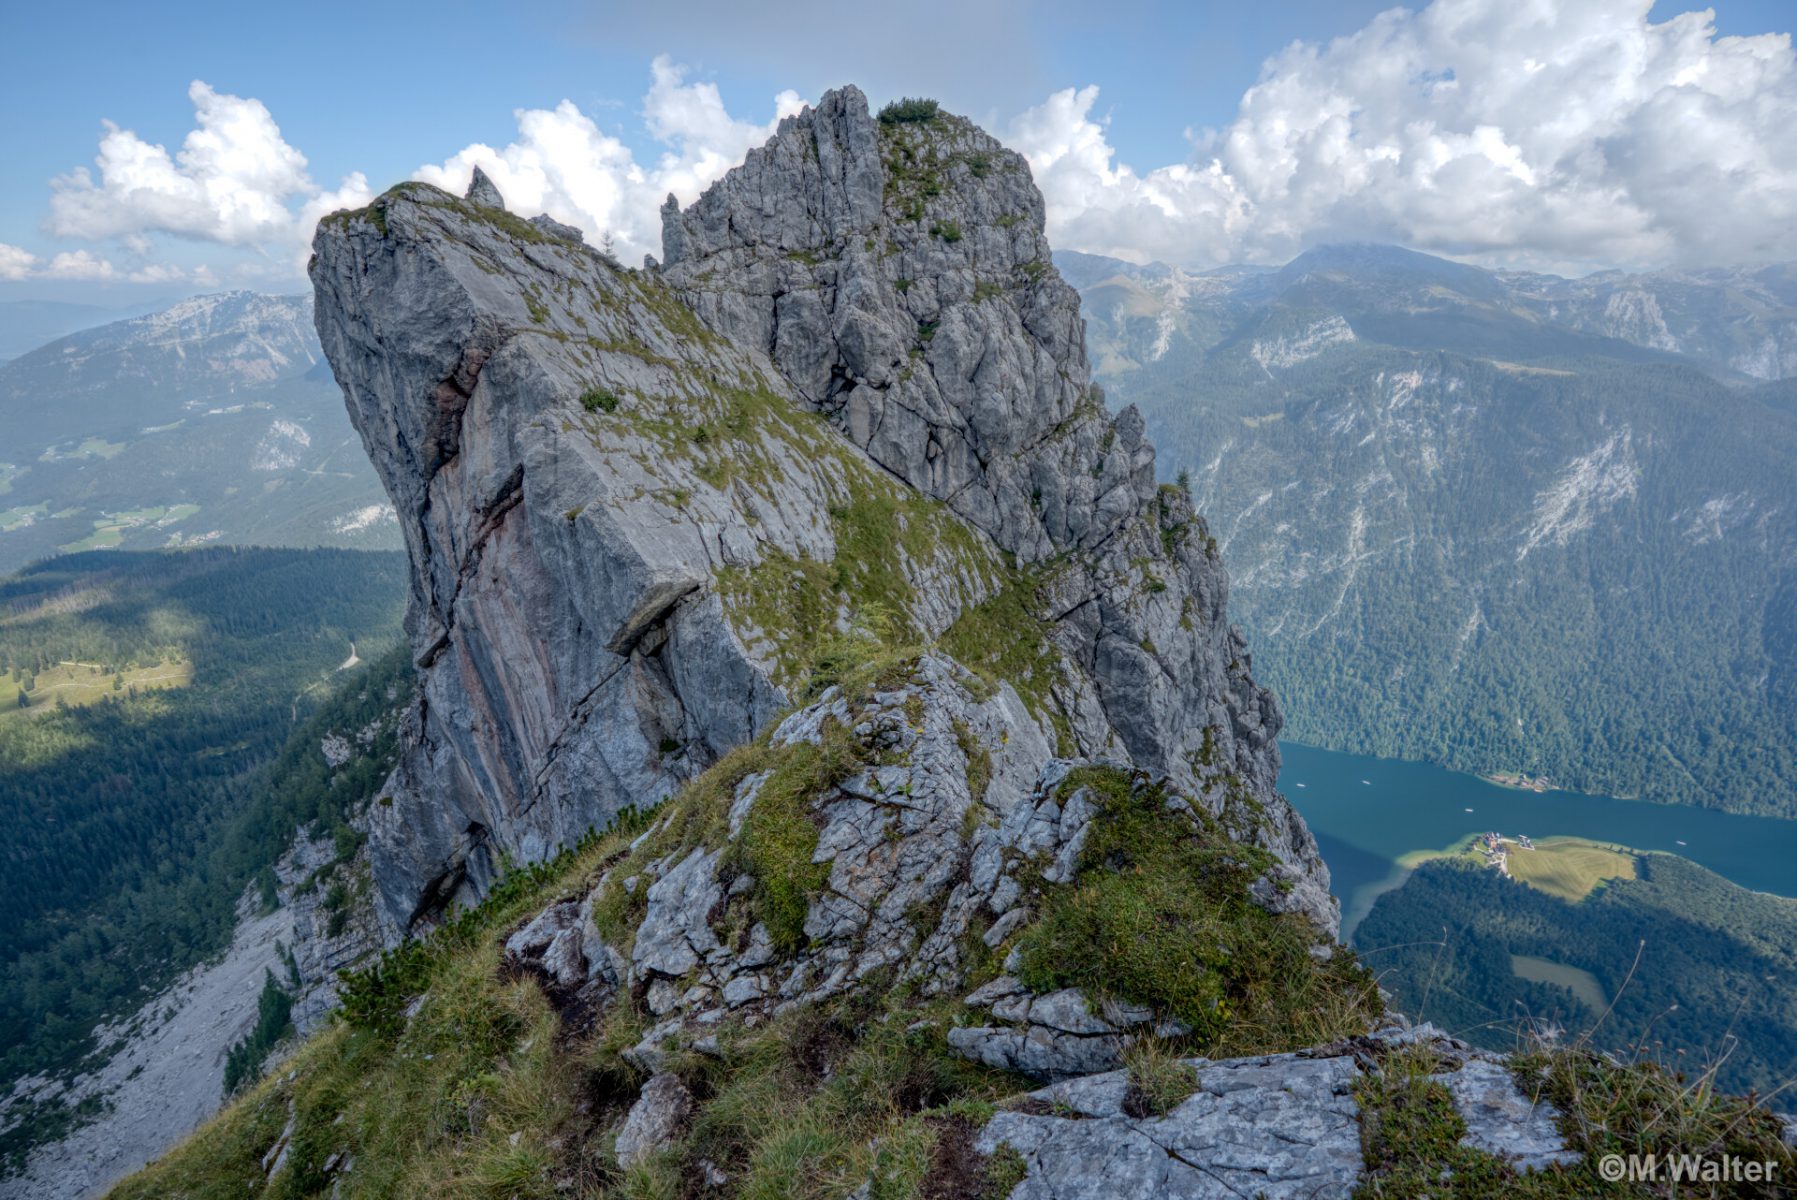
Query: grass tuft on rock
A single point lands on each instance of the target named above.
(1159, 914)
(910, 110)
(1159, 1079)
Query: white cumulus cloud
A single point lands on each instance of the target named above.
(16, 262)
(1516, 130)
(234, 181)
(562, 163)
(84, 266)
(77, 264)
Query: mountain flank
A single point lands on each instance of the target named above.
(913, 796)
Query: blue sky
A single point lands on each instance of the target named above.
(384, 90)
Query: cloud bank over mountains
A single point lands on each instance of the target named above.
(1509, 130)
(1567, 135)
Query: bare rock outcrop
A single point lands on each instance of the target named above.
(897, 274)
(633, 528)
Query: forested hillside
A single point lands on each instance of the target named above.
(1699, 970)
(1462, 529)
(135, 821)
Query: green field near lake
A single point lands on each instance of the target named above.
(1571, 868)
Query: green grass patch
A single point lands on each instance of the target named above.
(1003, 639)
(823, 619)
(21, 516)
(1159, 914)
(77, 684)
(1570, 868)
(779, 835)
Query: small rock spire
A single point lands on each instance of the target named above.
(482, 191)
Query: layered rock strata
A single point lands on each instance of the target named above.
(642, 505)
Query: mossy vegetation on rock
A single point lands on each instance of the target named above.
(467, 1063)
(1160, 913)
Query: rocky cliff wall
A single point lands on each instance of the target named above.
(647, 509)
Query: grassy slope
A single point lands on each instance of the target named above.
(79, 684)
(485, 1091)
(451, 1076)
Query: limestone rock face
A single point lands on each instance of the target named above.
(574, 656)
(942, 837)
(1276, 1126)
(898, 276)
(483, 191)
(654, 1120)
(636, 503)
(956, 803)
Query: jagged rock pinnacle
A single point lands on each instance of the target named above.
(482, 190)
(631, 533)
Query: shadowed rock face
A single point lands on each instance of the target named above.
(590, 479)
(898, 276)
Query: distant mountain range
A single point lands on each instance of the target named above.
(213, 420)
(1501, 521)
(27, 324)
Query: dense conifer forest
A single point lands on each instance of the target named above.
(135, 822)
(1698, 971)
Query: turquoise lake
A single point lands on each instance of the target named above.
(1368, 812)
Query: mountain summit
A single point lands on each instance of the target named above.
(639, 535)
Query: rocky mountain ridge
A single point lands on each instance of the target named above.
(1464, 529)
(812, 564)
(616, 508)
(1738, 324)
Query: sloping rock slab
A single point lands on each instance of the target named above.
(1502, 1121)
(1279, 1127)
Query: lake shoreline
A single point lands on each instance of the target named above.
(1377, 819)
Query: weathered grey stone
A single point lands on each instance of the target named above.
(1056, 1036)
(555, 228)
(1501, 1120)
(1276, 1127)
(481, 190)
(899, 278)
(655, 1120)
(554, 940)
(574, 654)
(674, 937)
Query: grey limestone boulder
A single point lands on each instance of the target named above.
(655, 1120)
(1276, 1126)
